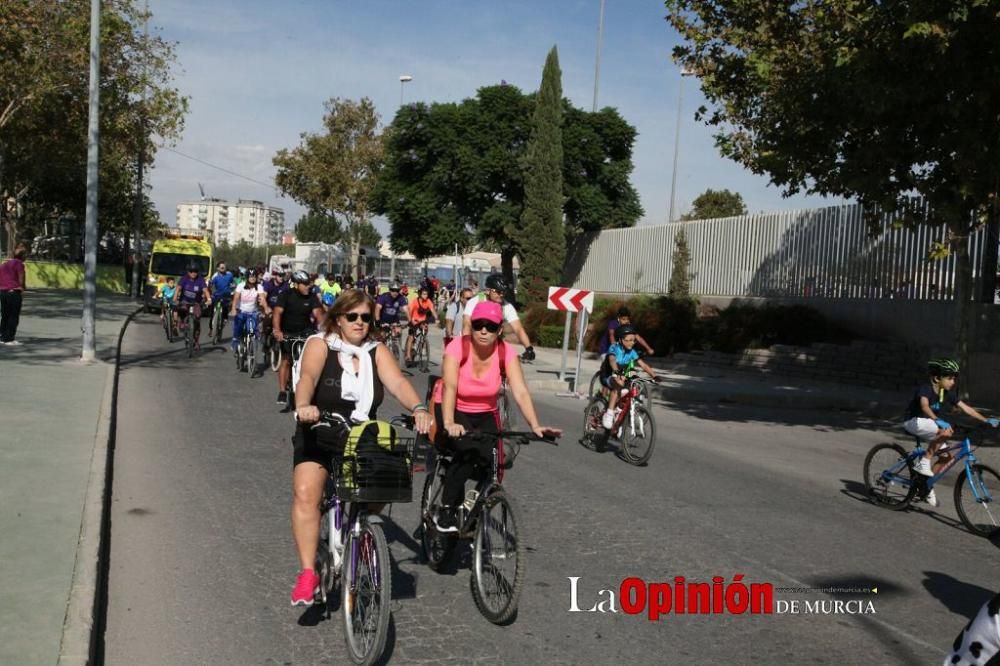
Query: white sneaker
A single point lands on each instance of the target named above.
(608, 420)
(13, 343)
(932, 498)
(923, 466)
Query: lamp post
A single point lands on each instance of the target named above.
(677, 140)
(403, 80)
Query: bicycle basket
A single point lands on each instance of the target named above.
(377, 465)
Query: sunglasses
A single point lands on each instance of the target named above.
(490, 326)
(366, 317)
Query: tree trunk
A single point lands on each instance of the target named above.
(355, 255)
(964, 310)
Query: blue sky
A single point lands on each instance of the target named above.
(258, 72)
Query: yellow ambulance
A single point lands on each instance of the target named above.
(170, 258)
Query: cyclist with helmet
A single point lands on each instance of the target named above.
(930, 401)
(222, 286)
(248, 301)
(620, 355)
(421, 314)
(389, 306)
(294, 314)
(496, 287)
(191, 291)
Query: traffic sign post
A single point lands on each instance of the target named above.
(570, 301)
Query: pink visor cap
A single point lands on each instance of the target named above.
(489, 311)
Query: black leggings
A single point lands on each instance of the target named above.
(467, 454)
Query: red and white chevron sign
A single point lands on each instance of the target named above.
(572, 300)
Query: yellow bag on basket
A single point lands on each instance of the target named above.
(381, 468)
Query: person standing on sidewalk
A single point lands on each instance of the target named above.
(11, 292)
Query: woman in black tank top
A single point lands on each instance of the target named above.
(321, 387)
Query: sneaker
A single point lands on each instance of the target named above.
(608, 419)
(282, 398)
(306, 588)
(932, 498)
(445, 520)
(13, 343)
(923, 466)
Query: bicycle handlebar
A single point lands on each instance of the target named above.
(525, 436)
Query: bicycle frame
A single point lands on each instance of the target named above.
(357, 514)
(627, 405)
(965, 453)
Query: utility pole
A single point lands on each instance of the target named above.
(597, 64)
(93, 137)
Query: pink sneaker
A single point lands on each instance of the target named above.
(306, 588)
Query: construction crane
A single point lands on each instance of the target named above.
(202, 188)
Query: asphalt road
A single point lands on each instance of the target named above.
(202, 560)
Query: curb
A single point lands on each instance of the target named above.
(83, 623)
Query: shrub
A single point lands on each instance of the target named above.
(744, 326)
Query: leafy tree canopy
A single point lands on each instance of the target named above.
(716, 203)
(314, 227)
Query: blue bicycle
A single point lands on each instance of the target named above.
(893, 482)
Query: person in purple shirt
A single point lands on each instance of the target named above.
(610, 337)
(11, 291)
(191, 290)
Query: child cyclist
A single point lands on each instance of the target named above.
(620, 355)
(166, 295)
(923, 417)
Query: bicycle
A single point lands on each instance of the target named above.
(421, 348)
(216, 323)
(891, 481)
(391, 334)
(246, 350)
(298, 343)
(596, 388)
(633, 424)
(487, 517)
(187, 324)
(358, 556)
(169, 327)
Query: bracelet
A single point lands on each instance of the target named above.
(420, 406)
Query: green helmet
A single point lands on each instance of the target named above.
(943, 367)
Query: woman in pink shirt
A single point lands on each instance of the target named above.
(11, 289)
(466, 400)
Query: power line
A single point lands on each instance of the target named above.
(223, 169)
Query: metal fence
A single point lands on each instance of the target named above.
(823, 252)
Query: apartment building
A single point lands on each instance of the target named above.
(225, 221)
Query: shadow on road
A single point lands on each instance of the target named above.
(957, 596)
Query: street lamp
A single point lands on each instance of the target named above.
(677, 139)
(405, 78)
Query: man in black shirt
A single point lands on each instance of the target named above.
(297, 313)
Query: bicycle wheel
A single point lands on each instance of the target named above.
(595, 385)
(497, 560)
(365, 594)
(188, 333)
(251, 356)
(217, 325)
(324, 561)
(890, 479)
(424, 353)
(503, 404)
(593, 432)
(638, 436)
(241, 352)
(974, 497)
(394, 348)
(275, 355)
(437, 547)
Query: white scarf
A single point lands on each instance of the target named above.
(359, 387)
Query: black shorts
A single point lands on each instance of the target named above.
(286, 344)
(472, 421)
(305, 449)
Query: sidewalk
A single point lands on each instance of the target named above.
(690, 383)
(54, 419)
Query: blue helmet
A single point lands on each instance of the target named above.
(328, 299)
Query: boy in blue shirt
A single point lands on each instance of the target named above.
(166, 294)
(923, 417)
(620, 355)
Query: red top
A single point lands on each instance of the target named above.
(12, 274)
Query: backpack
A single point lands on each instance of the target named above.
(376, 466)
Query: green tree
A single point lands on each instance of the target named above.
(43, 110)
(335, 172)
(680, 273)
(454, 173)
(542, 237)
(315, 227)
(716, 203)
(874, 101)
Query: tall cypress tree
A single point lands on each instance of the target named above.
(543, 238)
